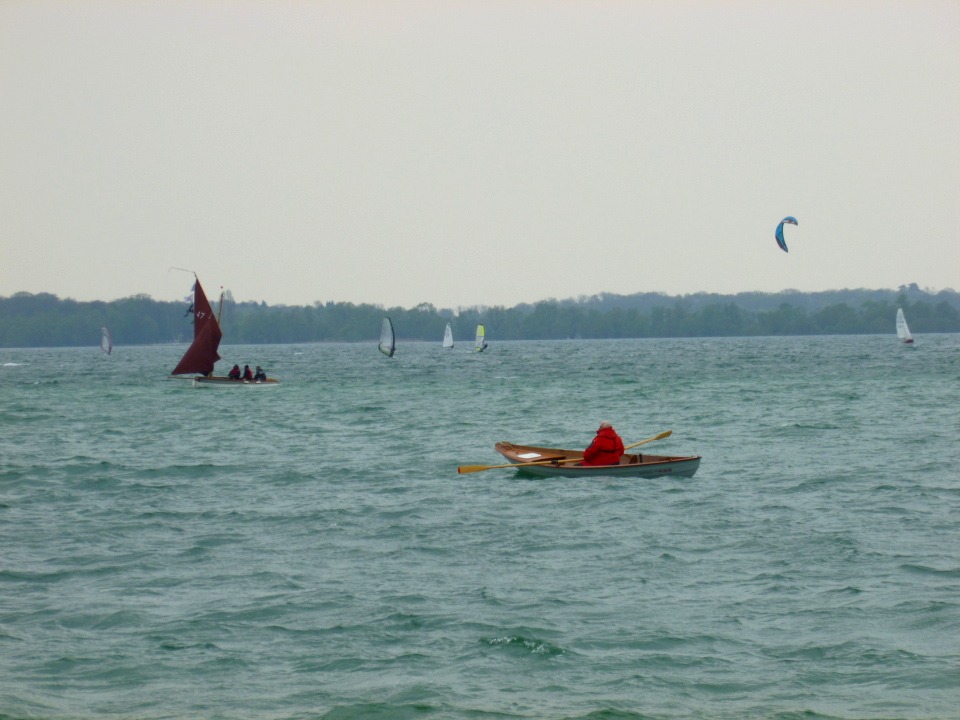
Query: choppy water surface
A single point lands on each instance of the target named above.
(309, 551)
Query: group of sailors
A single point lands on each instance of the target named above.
(247, 374)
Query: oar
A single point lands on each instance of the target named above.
(464, 469)
(661, 436)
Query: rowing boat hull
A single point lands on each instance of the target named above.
(638, 465)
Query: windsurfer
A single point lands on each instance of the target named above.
(606, 448)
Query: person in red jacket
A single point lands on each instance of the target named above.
(606, 448)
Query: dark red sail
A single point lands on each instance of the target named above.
(202, 354)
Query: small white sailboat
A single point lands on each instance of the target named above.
(448, 337)
(903, 331)
(480, 344)
(388, 341)
(106, 341)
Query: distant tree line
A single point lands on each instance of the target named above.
(44, 320)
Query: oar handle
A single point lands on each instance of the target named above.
(466, 469)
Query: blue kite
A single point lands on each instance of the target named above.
(780, 241)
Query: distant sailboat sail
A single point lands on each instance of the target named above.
(202, 353)
(106, 341)
(903, 332)
(448, 337)
(388, 343)
(481, 343)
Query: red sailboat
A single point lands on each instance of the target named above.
(203, 351)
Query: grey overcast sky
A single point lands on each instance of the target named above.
(476, 152)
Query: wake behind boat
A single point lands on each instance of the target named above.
(203, 351)
(551, 463)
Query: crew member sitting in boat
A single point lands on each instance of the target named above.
(247, 373)
(606, 448)
(259, 374)
(234, 373)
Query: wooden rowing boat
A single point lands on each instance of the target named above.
(638, 465)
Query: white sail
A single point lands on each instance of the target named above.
(903, 332)
(481, 344)
(388, 342)
(448, 337)
(106, 341)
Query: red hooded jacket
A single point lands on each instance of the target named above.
(606, 448)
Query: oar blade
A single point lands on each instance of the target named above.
(661, 436)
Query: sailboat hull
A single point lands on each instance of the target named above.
(226, 382)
